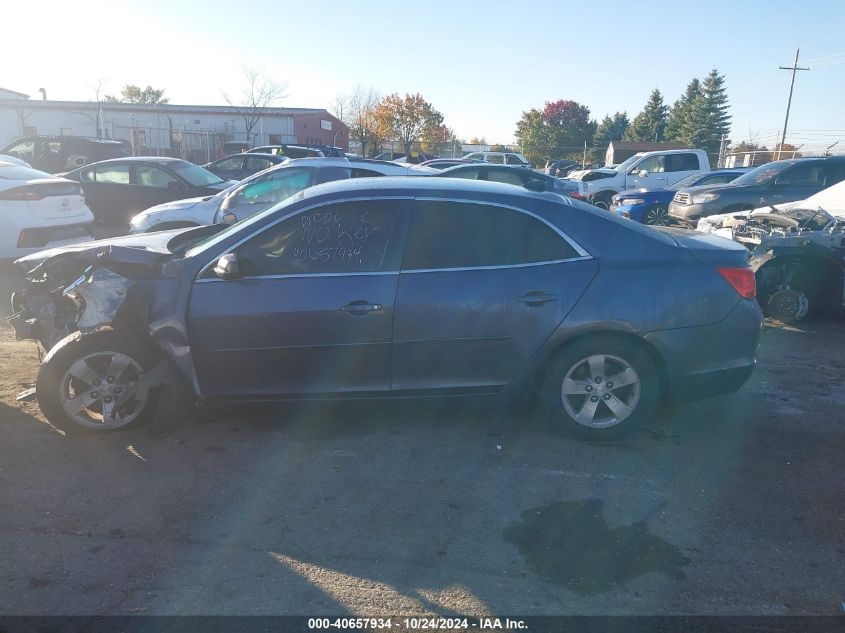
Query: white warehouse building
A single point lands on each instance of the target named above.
(193, 132)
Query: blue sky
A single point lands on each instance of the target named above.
(480, 63)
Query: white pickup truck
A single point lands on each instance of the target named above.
(647, 170)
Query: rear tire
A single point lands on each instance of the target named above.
(93, 383)
(599, 387)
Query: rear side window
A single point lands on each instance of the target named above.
(509, 177)
(497, 159)
(682, 162)
(114, 174)
(464, 235)
(365, 173)
(835, 172)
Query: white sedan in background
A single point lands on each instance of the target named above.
(38, 211)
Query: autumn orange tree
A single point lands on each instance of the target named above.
(408, 118)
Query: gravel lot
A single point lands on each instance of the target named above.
(726, 506)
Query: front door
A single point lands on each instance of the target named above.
(312, 310)
(482, 287)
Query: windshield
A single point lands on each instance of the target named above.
(195, 174)
(627, 164)
(763, 174)
(216, 238)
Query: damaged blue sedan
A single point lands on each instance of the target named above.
(394, 287)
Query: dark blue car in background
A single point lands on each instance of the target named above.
(651, 206)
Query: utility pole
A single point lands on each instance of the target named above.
(794, 68)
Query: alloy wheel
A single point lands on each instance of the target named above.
(657, 216)
(600, 391)
(103, 391)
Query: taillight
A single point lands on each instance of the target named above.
(742, 280)
(576, 195)
(22, 194)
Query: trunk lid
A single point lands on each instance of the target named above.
(54, 199)
(708, 248)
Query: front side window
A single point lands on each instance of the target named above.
(194, 174)
(469, 174)
(652, 165)
(465, 235)
(110, 173)
(149, 176)
(808, 175)
(513, 160)
(349, 237)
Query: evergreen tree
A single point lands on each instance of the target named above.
(717, 119)
(610, 129)
(677, 122)
(650, 124)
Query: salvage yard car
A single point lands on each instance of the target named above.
(772, 183)
(118, 189)
(394, 287)
(797, 251)
(39, 210)
(651, 206)
(263, 190)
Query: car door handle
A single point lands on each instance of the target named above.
(361, 307)
(536, 298)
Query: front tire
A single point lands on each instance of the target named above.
(658, 215)
(94, 383)
(600, 387)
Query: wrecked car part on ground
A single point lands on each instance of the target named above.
(797, 254)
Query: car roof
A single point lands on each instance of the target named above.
(141, 159)
(390, 185)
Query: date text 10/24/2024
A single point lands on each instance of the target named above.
(419, 624)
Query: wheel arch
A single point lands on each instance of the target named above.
(556, 346)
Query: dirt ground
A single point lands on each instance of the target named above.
(731, 505)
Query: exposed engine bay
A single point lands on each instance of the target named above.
(797, 254)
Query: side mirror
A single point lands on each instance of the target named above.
(227, 267)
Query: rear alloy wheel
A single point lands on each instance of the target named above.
(603, 387)
(658, 215)
(602, 203)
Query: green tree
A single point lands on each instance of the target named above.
(408, 117)
(532, 137)
(650, 124)
(568, 127)
(611, 128)
(717, 121)
(130, 93)
(679, 115)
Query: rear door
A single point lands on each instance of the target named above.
(679, 166)
(482, 287)
(107, 188)
(312, 311)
